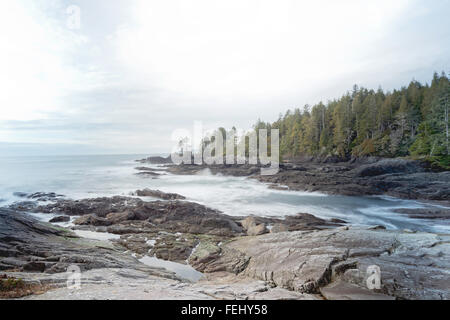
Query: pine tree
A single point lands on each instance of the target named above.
(411, 121)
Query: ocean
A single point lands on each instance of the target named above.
(92, 176)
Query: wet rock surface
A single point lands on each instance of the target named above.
(158, 194)
(305, 221)
(39, 196)
(99, 206)
(389, 166)
(231, 170)
(148, 174)
(382, 178)
(60, 219)
(358, 177)
(426, 213)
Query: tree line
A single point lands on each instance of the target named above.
(412, 121)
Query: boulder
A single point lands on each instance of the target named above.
(60, 219)
(34, 266)
(279, 227)
(253, 229)
(148, 174)
(204, 254)
(306, 221)
(257, 230)
(209, 258)
(92, 220)
(158, 194)
(248, 222)
(118, 217)
(389, 166)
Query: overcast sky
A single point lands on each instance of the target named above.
(135, 70)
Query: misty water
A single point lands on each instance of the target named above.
(80, 177)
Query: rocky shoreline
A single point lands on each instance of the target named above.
(39, 253)
(299, 257)
(401, 178)
(322, 261)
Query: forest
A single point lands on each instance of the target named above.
(410, 122)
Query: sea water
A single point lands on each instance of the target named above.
(79, 177)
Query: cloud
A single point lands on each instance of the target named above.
(219, 48)
(139, 69)
(36, 61)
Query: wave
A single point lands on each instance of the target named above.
(90, 177)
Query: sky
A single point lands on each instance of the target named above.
(120, 76)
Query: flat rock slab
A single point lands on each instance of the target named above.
(115, 284)
(413, 266)
(224, 285)
(129, 284)
(345, 291)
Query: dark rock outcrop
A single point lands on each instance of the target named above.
(156, 160)
(389, 166)
(394, 177)
(426, 213)
(60, 219)
(93, 220)
(31, 246)
(358, 177)
(173, 216)
(231, 170)
(39, 196)
(150, 174)
(98, 206)
(305, 221)
(173, 227)
(158, 194)
(43, 196)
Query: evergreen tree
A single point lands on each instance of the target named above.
(412, 121)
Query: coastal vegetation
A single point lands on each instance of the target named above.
(410, 122)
